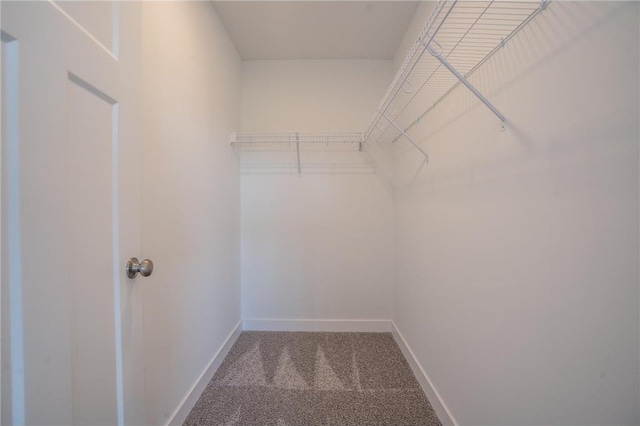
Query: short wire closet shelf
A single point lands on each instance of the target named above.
(298, 142)
(456, 40)
(256, 138)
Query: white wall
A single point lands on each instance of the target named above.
(312, 95)
(318, 245)
(191, 197)
(415, 26)
(517, 252)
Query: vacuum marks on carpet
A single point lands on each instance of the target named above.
(309, 379)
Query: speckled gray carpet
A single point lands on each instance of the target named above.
(309, 379)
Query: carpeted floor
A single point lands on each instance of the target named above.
(309, 379)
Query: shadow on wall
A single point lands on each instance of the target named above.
(535, 47)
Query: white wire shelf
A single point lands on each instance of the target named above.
(297, 143)
(456, 40)
(251, 139)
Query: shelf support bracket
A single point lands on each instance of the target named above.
(463, 80)
(298, 152)
(403, 133)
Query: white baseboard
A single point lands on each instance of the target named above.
(445, 416)
(330, 325)
(180, 414)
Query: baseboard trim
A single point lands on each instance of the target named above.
(184, 408)
(445, 416)
(329, 325)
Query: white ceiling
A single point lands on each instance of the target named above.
(316, 29)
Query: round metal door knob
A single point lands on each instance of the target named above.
(145, 268)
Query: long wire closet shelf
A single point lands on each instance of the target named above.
(456, 40)
(458, 37)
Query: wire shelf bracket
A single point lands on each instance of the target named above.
(463, 80)
(407, 137)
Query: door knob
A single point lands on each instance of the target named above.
(133, 267)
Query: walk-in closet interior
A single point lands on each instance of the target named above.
(320, 212)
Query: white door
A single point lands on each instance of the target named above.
(72, 346)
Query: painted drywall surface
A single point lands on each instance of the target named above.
(413, 31)
(312, 95)
(315, 30)
(517, 252)
(190, 197)
(318, 245)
